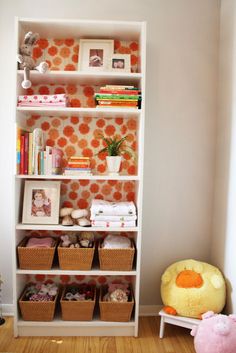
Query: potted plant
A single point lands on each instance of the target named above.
(114, 148)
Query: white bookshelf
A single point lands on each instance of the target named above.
(126, 31)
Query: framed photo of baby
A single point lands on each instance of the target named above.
(120, 62)
(95, 54)
(41, 202)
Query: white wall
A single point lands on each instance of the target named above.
(224, 239)
(180, 130)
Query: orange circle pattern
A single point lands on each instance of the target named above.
(62, 54)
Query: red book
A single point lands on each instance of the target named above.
(26, 153)
(119, 91)
(22, 153)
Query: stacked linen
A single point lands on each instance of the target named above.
(45, 100)
(113, 214)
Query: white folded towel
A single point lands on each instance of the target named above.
(113, 218)
(113, 224)
(116, 242)
(101, 207)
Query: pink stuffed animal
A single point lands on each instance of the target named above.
(215, 334)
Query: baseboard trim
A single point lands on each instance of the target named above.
(144, 310)
(8, 309)
(149, 310)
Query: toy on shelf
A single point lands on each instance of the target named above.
(26, 61)
(215, 334)
(71, 216)
(190, 288)
(83, 240)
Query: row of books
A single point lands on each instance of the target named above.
(31, 156)
(78, 166)
(118, 96)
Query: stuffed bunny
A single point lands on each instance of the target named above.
(26, 61)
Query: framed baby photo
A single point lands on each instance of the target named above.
(41, 202)
(120, 63)
(95, 54)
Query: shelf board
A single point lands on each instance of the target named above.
(58, 322)
(79, 177)
(69, 111)
(60, 227)
(79, 28)
(82, 77)
(95, 271)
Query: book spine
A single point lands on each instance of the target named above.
(118, 87)
(30, 166)
(18, 136)
(42, 163)
(117, 103)
(80, 169)
(117, 96)
(119, 91)
(36, 160)
(22, 153)
(26, 152)
(48, 164)
(78, 165)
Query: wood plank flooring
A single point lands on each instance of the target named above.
(176, 340)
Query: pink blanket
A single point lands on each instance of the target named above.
(39, 243)
(37, 100)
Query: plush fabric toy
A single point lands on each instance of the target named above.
(78, 216)
(191, 288)
(26, 61)
(215, 334)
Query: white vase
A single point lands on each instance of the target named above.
(113, 165)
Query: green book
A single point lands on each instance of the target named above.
(118, 96)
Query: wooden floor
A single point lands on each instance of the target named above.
(176, 340)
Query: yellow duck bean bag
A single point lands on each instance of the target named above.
(191, 288)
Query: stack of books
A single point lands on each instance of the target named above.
(78, 166)
(118, 96)
(33, 158)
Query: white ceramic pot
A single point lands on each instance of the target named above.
(113, 164)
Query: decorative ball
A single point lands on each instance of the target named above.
(215, 334)
(191, 288)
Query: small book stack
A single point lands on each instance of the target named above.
(118, 96)
(78, 166)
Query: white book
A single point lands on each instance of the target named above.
(48, 169)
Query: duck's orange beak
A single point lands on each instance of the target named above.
(189, 279)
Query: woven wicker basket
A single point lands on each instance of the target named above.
(116, 259)
(77, 310)
(37, 311)
(35, 258)
(113, 311)
(75, 258)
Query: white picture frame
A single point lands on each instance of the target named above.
(120, 63)
(41, 202)
(95, 54)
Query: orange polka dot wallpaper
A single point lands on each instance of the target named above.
(62, 54)
(70, 279)
(81, 136)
